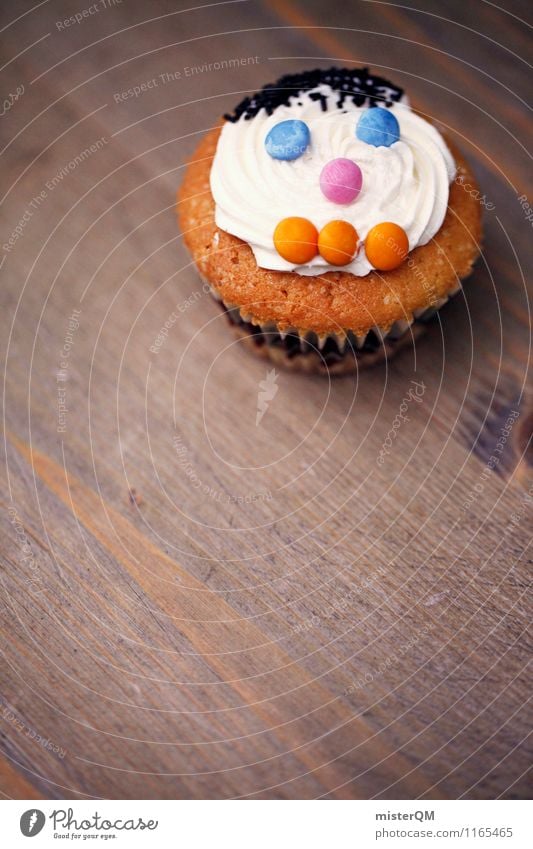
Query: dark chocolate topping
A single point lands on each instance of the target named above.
(355, 84)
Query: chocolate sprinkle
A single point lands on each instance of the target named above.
(355, 84)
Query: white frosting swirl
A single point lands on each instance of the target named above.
(407, 183)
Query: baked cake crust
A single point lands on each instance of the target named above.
(334, 302)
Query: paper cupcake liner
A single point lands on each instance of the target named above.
(305, 340)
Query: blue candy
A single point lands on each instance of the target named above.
(288, 140)
(378, 126)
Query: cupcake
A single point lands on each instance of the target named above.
(329, 220)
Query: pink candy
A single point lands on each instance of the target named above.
(341, 180)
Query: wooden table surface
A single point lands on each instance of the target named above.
(196, 605)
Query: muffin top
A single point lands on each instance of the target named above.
(330, 169)
(251, 198)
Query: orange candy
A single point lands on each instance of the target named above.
(386, 246)
(337, 242)
(295, 239)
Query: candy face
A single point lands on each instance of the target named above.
(341, 180)
(378, 126)
(288, 140)
(337, 242)
(296, 240)
(386, 246)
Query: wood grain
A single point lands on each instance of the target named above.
(194, 606)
